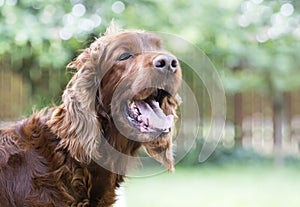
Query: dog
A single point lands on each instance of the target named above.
(123, 96)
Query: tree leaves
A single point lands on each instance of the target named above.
(261, 38)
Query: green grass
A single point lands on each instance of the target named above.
(254, 186)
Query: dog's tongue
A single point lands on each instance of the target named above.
(152, 115)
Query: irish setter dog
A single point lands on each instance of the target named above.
(123, 96)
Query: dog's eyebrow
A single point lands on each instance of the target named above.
(125, 48)
(125, 45)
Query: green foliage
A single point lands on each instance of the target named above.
(246, 40)
(237, 155)
(223, 156)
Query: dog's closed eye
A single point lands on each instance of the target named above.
(125, 56)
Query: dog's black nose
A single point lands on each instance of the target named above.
(165, 62)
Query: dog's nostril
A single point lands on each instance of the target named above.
(160, 63)
(165, 62)
(174, 64)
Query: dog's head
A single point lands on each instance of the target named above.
(125, 81)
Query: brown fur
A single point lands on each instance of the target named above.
(50, 159)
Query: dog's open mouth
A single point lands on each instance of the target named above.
(144, 112)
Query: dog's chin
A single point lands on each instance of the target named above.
(145, 117)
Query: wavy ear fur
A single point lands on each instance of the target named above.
(75, 121)
(161, 149)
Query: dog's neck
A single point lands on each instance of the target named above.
(108, 172)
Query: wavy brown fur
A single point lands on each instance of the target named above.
(48, 159)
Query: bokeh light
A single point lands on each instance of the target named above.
(118, 7)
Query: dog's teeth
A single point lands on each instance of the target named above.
(132, 104)
(139, 118)
(136, 111)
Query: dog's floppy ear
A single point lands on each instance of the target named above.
(162, 148)
(75, 121)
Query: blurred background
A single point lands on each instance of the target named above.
(253, 44)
